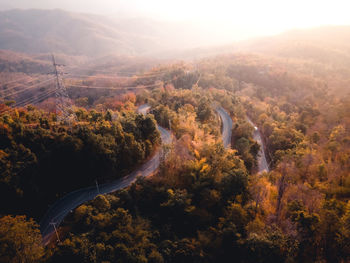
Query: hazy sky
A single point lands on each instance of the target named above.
(261, 16)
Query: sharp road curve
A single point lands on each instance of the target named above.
(262, 162)
(227, 134)
(226, 126)
(59, 210)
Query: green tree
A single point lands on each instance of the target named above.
(204, 111)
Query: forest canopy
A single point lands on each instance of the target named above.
(42, 160)
(205, 203)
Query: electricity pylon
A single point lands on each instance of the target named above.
(63, 104)
(57, 235)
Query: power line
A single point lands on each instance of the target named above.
(61, 91)
(110, 71)
(14, 87)
(30, 100)
(115, 88)
(147, 75)
(104, 71)
(25, 102)
(113, 77)
(28, 88)
(151, 75)
(34, 99)
(15, 80)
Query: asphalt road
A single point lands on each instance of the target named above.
(59, 210)
(226, 126)
(144, 109)
(262, 162)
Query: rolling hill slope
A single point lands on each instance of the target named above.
(326, 45)
(42, 31)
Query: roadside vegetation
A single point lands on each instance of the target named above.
(42, 160)
(207, 203)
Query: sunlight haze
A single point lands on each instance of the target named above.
(179, 131)
(251, 17)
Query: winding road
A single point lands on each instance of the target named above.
(262, 162)
(227, 134)
(226, 126)
(144, 108)
(59, 210)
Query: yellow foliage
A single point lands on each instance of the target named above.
(196, 154)
(202, 161)
(204, 168)
(255, 226)
(170, 192)
(80, 212)
(21, 240)
(3, 154)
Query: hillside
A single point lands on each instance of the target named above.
(326, 45)
(205, 203)
(58, 31)
(17, 62)
(42, 31)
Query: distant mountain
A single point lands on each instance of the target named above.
(11, 62)
(42, 31)
(14, 62)
(326, 45)
(84, 35)
(45, 31)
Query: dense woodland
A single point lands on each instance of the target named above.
(42, 160)
(206, 203)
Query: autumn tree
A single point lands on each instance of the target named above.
(20, 240)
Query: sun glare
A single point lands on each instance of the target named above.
(269, 16)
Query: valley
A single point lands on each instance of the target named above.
(131, 139)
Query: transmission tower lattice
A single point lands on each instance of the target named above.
(63, 102)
